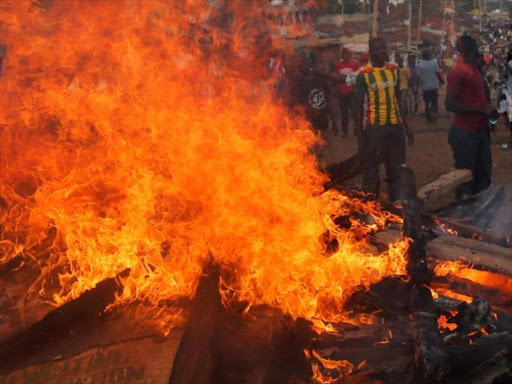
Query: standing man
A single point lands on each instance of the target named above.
(405, 75)
(383, 140)
(310, 92)
(468, 135)
(430, 77)
(347, 68)
(413, 84)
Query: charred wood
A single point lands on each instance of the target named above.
(435, 222)
(430, 357)
(464, 356)
(469, 288)
(466, 231)
(487, 256)
(473, 316)
(196, 360)
(497, 369)
(477, 357)
(501, 323)
(344, 170)
(58, 323)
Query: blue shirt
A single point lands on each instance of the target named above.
(428, 69)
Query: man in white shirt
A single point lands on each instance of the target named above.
(430, 78)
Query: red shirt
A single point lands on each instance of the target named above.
(466, 82)
(344, 68)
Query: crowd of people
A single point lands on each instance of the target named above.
(380, 96)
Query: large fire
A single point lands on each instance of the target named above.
(139, 134)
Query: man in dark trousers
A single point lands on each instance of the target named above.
(430, 79)
(469, 137)
(383, 139)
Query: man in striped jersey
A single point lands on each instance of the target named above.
(383, 139)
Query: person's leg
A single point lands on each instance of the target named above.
(352, 110)
(371, 179)
(426, 100)
(416, 100)
(413, 103)
(334, 112)
(394, 159)
(464, 147)
(344, 106)
(410, 103)
(434, 109)
(510, 129)
(483, 164)
(403, 103)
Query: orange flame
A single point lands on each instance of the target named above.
(489, 279)
(142, 133)
(443, 323)
(337, 369)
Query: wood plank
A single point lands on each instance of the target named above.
(382, 239)
(196, 360)
(489, 371)
(465, 356)
(444, 184)
(457, 284)
(144, 360)
(58, 323)
(490, 256)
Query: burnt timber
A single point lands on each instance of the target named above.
(56, 324)
(434, 222)
(196, 359)
(430, 356)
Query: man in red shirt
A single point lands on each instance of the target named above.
(347, 68)
(469, 134)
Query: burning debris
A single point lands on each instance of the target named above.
(152, 188)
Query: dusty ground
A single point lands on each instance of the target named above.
(431, 156)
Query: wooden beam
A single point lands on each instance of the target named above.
(196, 359)
(454, 248)
(467, 287)
(465, 356)
(490, 256)
(430, 357)
(431, 192)
(345, 170)
(57, 323)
